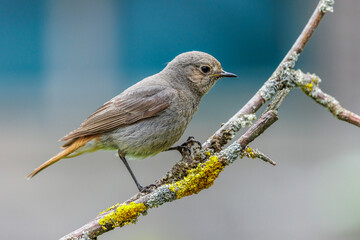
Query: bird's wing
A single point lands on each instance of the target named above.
(125, 109)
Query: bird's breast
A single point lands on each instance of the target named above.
(153, 135)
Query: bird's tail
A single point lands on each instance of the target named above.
(78, 143)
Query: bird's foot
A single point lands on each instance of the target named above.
(147, 188)
(185, 148)
(141, 188)
(191, 140)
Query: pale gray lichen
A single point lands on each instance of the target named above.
(284, 74)
(242, 122)
(327, 100)
(338, 110)
(327, 6)
(269, 89)
(162, 195)
(85, 236)
(290, 63)
(299, 78)
(232, 152)
(288, 78)
(307, 81)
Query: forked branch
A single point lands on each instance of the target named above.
(203, 166)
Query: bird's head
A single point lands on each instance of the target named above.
(200, 70)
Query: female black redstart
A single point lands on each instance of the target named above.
(148, 117)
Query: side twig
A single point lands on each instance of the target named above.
(309, 84)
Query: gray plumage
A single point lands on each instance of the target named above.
(150, 116)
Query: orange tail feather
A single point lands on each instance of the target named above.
(70, 149)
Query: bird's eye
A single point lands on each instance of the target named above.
(205, 69)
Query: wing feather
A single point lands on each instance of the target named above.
(125, 109)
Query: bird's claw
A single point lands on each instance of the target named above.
(186, 146)
(191, 140)
(147, 188)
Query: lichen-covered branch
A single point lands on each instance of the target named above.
(309, 84)
(275, 82)
(198, 178)
(202, 176)
(199, 170)
(270, 116)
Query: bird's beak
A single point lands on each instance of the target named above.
(227, 74)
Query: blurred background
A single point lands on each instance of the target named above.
(61, 60)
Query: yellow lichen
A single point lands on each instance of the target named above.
(110, 208)
(250, 152)
(122, 215)
(208, 153)
(307, 87)
(199, 178)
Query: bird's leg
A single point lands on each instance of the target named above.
(186, 146)
(122, 157)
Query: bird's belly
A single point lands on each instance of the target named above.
(147, 137)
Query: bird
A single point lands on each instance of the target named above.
(148, 117)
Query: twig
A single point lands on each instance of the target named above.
(309, 84)
(265, 121)
(270, 116)
(262, 156)
(206, 166)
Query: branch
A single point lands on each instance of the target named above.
(270, 116)
(309, 84)
(199, 170)
(193, 177)
(270, 87)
